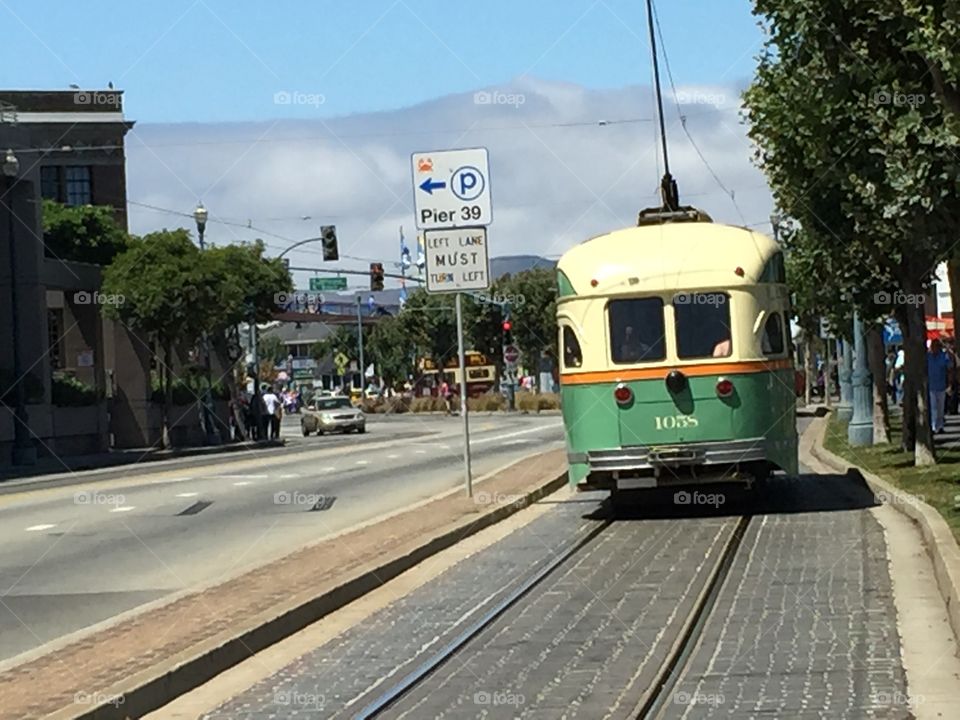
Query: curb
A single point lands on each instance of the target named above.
(940, 543)
(154, 688)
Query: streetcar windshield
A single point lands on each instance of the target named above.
(703, 325)
(636, 330)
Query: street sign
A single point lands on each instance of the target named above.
(451, 188)
(328, 283)
(341, 360)
(457, 260)
(511, 355)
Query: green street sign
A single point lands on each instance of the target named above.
(328, 283)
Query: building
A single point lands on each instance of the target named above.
(69, 147)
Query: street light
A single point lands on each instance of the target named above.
(200, 215)
(24, 453)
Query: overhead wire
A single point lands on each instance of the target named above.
(683, 120)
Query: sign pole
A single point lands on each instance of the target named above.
(463, 399)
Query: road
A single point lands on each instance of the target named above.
(776, 602)
(78, 554)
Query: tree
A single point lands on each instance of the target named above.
(390, 350)
(533, 312)
(245, 284)
(85, 233)
(873, 179)
(271, 348)
(160, 290)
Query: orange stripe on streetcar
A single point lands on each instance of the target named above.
(658, 373)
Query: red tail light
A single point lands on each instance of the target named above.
(724, 388)
(623, 394)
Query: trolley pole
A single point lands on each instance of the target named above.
(463, 399)
(363, 368)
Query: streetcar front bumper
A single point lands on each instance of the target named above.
(657, 465)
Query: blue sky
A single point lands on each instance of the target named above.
(218, 60)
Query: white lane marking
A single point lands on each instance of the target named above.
(420, 452)
(518, 441)
(187, 494)
(242, 483)
(392, 457)
(329, 468)
(541, 428)
(445, 447)
(238, 477)
(181, 479)
(363, 462)
(289, 476)
(123, 508)
(38, 528)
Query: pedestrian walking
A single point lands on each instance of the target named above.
(274, 407)
(938, 366)
(447, 394)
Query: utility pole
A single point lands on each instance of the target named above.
(363, 368)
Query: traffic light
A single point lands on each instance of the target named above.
(376, 276)
(328, 233)
(507, 334)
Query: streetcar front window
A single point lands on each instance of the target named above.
(636, 330)
(703, 325)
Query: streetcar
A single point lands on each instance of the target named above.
(677, 363)
(481, 373)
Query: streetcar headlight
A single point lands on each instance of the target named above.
(724, 387)
(623, 394)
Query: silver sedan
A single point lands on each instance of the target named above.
(330, 414)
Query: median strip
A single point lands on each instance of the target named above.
(144, 661)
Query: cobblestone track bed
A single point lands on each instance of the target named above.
(590, 639)
(805, 627)
(352, 669)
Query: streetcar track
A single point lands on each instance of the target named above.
(411, 680)
(654, 701)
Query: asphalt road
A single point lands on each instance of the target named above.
(76, 555)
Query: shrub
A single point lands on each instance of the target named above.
(488, 402)
(427, 404)
(69, 392)
(532, 402)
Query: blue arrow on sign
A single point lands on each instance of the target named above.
(429, 185)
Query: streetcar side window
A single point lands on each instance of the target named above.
(572, 357)
(772, 340)
(703, 325)
(636, 330)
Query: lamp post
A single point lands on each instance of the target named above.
(860, 429)
(200, 215)
(24, 453)
(360, 341)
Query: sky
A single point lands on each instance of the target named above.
(273, 112)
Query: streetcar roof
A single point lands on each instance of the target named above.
(655, 258)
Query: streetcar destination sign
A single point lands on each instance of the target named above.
(451, 188)
(456, 260)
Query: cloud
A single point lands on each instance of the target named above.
(559, 174)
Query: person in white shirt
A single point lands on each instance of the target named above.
(274, 408)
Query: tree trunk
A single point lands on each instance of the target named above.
(167, 395)
(808, 370)
(876, 357)
(953, 277)
(908, 430)
(222, 350)
(827, 373)
(915, 365)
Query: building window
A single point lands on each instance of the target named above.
(636, 330)
(50, 183)
(703, 325)
(79, 190)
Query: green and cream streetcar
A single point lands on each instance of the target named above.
(676, 364)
